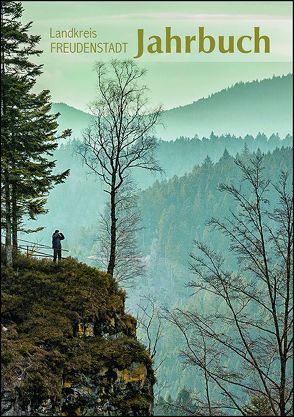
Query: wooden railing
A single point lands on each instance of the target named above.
(37, 250)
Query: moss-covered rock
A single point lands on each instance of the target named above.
(68, 348)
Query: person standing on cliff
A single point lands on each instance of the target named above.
(56, 244)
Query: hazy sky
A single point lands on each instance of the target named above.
(174, 79)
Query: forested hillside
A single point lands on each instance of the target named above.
(146, 255)
(264, 105)
(82, 195)
(245, 108)
(175, 213)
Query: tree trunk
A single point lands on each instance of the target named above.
(282, 404)
(14, 217)
(8, 242)
(8, 246)
(112, 255)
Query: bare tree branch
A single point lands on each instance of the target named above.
(246, 340)
(119, 140)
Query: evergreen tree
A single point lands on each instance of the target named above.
(28, 129)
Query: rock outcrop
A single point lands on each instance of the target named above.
(68, 347)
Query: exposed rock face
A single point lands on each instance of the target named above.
(68, 346)
(110, 393)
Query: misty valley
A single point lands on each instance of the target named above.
(175, 208)
(146, 251)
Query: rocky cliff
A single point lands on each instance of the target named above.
(68, 347)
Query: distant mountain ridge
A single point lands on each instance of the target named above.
(244, 108)
(177, 159)
(71, 118)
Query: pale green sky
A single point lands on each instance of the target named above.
(173, 80)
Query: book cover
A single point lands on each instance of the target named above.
(147, 208)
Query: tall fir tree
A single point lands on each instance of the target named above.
(29, 131)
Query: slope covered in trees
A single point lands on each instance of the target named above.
(82, 193)
(264, 105)
(230, 325)
(175, 213)
(244, 108)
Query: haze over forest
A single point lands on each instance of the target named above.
(176, 205)
(146, 254)
(245, 108)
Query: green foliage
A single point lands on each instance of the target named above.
(28, 129)
(176, 212)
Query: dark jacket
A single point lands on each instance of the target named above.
(56, 238)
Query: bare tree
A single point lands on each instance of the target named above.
(129, 259)
(119, 139)
(243, 345)
(150, 322)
